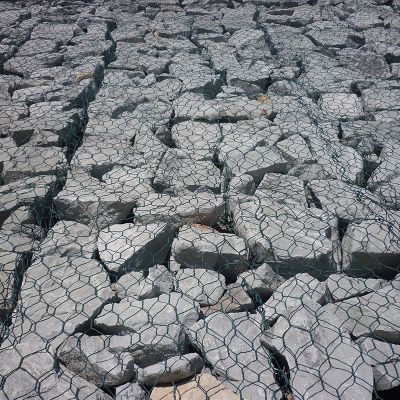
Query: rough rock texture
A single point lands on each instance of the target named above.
(180, 176)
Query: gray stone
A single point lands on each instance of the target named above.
(159, 280)
(293, 292)
(231, 344)
(389, 192)
(68, 239)
(29, 367)
(138, 315)
(131, 183)
(127, 247)
(342, 287)
(349, 203)
(296, 150)
(283, 189)
(174, 369)
(235, 299)
(197, 138)
(201, 207)
(374, 315)
(341, 106)
(86, 200)
(130, 391)
(322, 359)
(291, 238)
(30, 192)
(59, 295)
(128, 285)
(199, 246)
(98, 157)
(87, 357)
(371, 247)
(202, 285)
(178, 167)
(381, 99)
(384, 361)
(261, 281)
(33, 161)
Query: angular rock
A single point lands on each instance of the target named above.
(127, 247)
(235, 299)
(350, 203)
(342, 287)
(201, 207)
(88, 357)
(371, 248)
(68, 239)
(322, 359)
(381, 99)
(294, 291)
(59, 295)
(199, 246)
(86, 200)
(179, 168)
(159, 280)
(296, 150)
(128, 285)
(341, 106)
(172, 370)
(197, 138)
(32, 161)
(261, 281)
(202, 285)
(283, 189)
(130, 391)
(291, 238)
(167, 310)
(374, 315)
(384, 361)
(29, 367)
(231, 344)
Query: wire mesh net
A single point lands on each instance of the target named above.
(199, 199)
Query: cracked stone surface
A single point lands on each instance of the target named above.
(199, 199)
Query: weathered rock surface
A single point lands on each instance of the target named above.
(231, 343)
(371, 248)
(172, 370)
(127, 247)
(291, 238)
(199, 246)
(262, 281)
(384, 361)
(87, 357)
(292, 292)
(202, 285)
(307, 336)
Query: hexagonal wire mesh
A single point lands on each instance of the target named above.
(199, 199)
